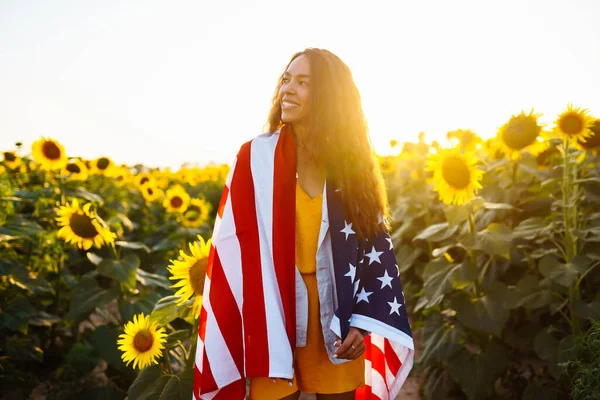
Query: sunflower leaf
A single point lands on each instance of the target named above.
(436, 232)
(167, 309)
(84, 194)
(133, 245)
(86, 296)
(123, 270)
(150, 279)
(177, 337)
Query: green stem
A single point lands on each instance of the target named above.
(472, 255)
(566, 200)
(184, 350)
(168, 362)
(485, 267)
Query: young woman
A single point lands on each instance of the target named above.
(302, 221)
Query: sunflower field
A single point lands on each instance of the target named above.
(102, 266)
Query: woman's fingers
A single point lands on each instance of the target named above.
(352, 347)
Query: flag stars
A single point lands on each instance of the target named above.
(395, 306)
(374, 256)
(390, 241)
(386, 280)
(347, 229)
(363, 296)
(352, 273)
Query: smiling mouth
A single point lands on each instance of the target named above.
(288, 104)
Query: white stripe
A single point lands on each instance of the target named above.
(230, 253)
(262, 161)
(407, 359)
(376, 326)
(221, 362)
(377, 383)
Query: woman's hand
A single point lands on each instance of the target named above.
(353, 346)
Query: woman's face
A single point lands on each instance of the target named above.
(294, 92)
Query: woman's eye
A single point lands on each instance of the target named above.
(285, 80)
(305, 83)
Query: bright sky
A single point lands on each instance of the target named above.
(167, 82)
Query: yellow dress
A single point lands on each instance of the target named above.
(314, 372)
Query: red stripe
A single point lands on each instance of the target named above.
(223, 201)
(202, 327)
(233, 391)
(391, 358)
(253, 309)
(225, 308)
(378, 361)
(284, 212)
(207, 382)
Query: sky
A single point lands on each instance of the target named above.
(169, 82)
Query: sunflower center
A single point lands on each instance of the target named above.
(103, 163)
(82, 226)
(176, 201)
(192, 213)
(520, 133)
(10, 157)
(455, 172)
(143, 341)
(571, 124)
(144, 180)
(197, 273)
(73, 168)
(150, 191)
(51, 151)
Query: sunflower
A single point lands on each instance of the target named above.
(142, 341)
(75, 170)
(455, 176)
(574, 124)
(152, 193)
(196, 213)
(102, 166)
(176, 199)
(467, 139)
(49, 153)
(82, 227)
(548, 156)
(11, 160)
(144, 179)
(191, 272)
(521, 132)
(593, 141)
(122, 175)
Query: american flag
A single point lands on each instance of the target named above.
(248, 316)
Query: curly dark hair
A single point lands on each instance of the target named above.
(337, 138)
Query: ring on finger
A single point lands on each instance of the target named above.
(353, 347)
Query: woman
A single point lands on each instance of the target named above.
(309, 292)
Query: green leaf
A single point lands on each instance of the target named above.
(38, 285)
(437, 281)
(15, 315)
(42, 318)
(586, 310)
(476, 373)
(133, 245)
(19, 226)
(531, 294)
(144, 381)
(81, 359)
(407, 255)
(89, 196)
(436, 233)
(177, 337)
(463, 274)
(166, 310)
(123, 270)
(531, 228)
(457, 214)
(441, 344)
(495, 240)
(563, 274)
(498, 206)
(483, 314)
(87, 296)
(149, 279)
(437, 384)
(104, 341)
(94, 258)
